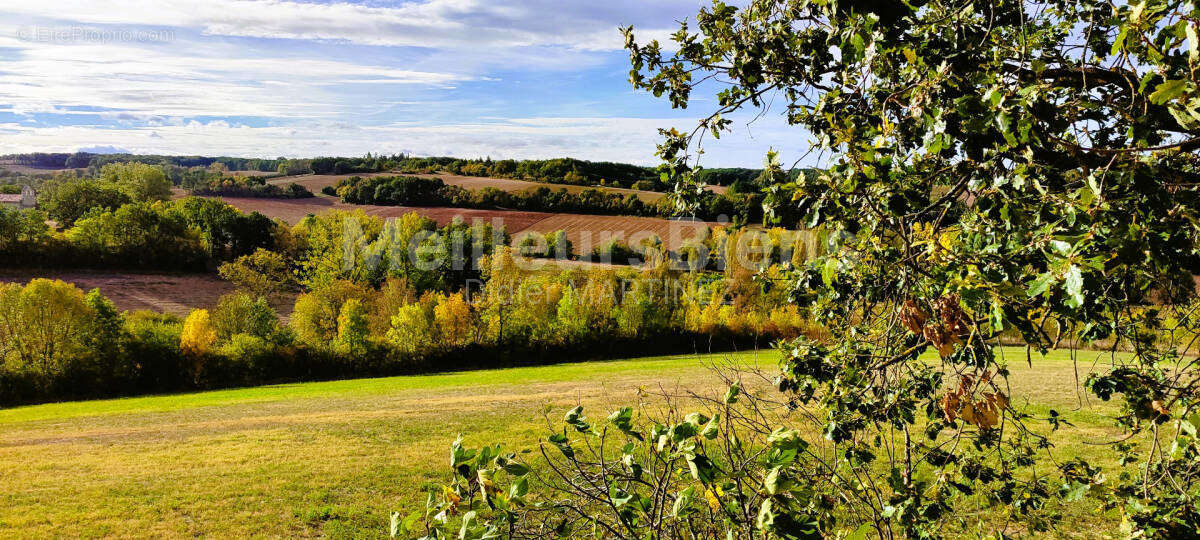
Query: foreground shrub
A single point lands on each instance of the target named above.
(644, 473)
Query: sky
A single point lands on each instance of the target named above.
(522, 79)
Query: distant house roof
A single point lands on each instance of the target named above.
(13, 199)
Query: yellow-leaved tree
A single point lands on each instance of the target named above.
(43, 325)
(199, 335)
(454, 320)
(353, 328)
(411, 330)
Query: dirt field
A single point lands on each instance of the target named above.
(33, 171)
(177, 294)
(587, 232)
(315, 183)
(583, 230)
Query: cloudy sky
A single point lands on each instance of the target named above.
(468, 78)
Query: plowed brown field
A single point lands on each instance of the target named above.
(509, 184)
(587, 232)
(315, 183)
(177, 294)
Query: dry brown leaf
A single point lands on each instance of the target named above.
(950, 406)
(913, 317)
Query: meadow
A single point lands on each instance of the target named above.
(335, 458)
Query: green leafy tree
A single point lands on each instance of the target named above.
(138, 181)
(22, 228)
(67, 202)
(412, 329)
(141, 234)
(45, 326)
(559, 246)
(353, 330)
(315, 316)
(240, 313)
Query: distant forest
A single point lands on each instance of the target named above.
(556, 171)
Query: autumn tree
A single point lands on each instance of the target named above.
(262, 273)
(199, 334)
(44, 325)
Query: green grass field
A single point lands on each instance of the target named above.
(334, 458)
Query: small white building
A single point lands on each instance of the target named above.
(27, 199)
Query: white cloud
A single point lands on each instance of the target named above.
(333, 78)
(198, 80)
(459, 24)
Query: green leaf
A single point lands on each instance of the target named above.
(683, 502)
(702, 469)
(516, 469)
(732, 393)
(1040, 285)
(1074, 491)
(712, 428)
(996, 316)
(623, 420)
(773, 481)
(519, 488)
(863, 532)
(1074, 286)
(575, 419)
(1168, 91)
(829, 271)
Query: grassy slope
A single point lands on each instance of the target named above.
(334, 458)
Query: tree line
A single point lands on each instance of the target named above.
(740, 208)
(94, 161)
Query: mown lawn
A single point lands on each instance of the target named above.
(334, 458)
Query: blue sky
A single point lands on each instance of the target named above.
(468, 78)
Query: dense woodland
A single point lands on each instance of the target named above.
(741, 208)
(465, 300)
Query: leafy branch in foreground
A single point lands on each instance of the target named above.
(645, 472)
(1002, 171)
